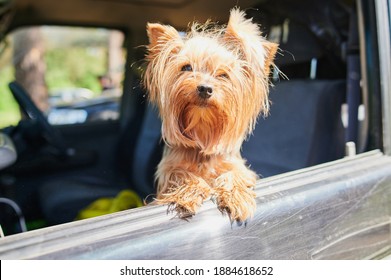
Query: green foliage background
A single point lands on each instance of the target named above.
(76, 64)
(75, 67)
(9, 110)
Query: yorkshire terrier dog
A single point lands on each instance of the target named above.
(209, 86)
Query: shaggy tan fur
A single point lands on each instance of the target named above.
(204, 135)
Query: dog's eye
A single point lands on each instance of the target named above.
(223, 76)
(187, 67)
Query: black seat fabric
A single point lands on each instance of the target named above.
(61, 200)
(148, 153)
(304, 127)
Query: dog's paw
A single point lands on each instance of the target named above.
(184, 208)
(238, 203)
(185, 200)
(181, 211)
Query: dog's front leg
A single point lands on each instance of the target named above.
(234, 193)
(182, 190)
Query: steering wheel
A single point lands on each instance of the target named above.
(29, 108)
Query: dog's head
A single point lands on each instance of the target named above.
(211, 84)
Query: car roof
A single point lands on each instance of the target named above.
(123, 14)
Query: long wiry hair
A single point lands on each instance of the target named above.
(235, 59)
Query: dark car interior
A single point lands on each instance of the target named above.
(62, 169)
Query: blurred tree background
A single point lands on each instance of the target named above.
(45, 59)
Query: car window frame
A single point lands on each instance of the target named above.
(360, 182)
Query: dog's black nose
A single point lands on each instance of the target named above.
(204, 91)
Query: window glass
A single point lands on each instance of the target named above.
(73, 74)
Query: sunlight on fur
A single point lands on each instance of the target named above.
(210, 87)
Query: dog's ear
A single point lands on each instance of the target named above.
(164, 41)
(159, 35)
(271, 50)
(244, 35)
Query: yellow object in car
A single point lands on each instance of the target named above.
(126, 199)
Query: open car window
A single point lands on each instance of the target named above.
(73, 74)
(322, 153)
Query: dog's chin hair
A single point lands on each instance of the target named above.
(204, 125)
